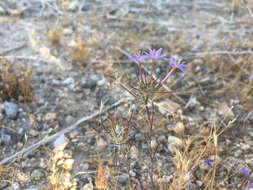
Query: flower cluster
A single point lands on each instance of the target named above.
(147, 85)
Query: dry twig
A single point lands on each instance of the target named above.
(53, 137)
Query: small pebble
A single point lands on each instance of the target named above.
(51, 116)
(4, 138)
(123, 178)
(72, 6)
(132, 173)
(16, 186)
(37, 174)
(172, 142)
(34, 187)
(192, 186)
(68, 81)
(139, 137)
(3, 184)
(89, 84)
(2, 11)
(94, 77)
(68, 164)
(199, 183)
(10, 110)
(101, 82)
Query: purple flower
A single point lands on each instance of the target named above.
(173, 63)
(108, 179)
(209, 162)
(154, 55)
(250, 186)
(246, 173)
(137, 58)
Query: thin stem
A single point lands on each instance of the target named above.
(149, 119)
(145, 77)
(152, 69)
(167, 76)
(140, 73)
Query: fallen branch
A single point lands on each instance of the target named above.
(53, 137)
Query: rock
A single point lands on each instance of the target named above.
(2, 11)
(34, 133)
(225, 111)
(134, 152)
(245, 147)
(192, 102)
(238, 153)
(101, 82)
(139, 137)
(60, 143)
(72, 44)
(10, 110)
(68, 31)
(192, 186)
(199, 183)
(72, 6)
(15, 186)
(94, 77)
(68, 164)
(179, 128)
(74, 134)
(174, 142)
(132, 173)
(34, 187)
(88, 186)
(167, 107)
(68, 81)
(153, 144)
(3, 184)
(37, 175)
(90, 84)
(69, 120)
(4, 138)
(51, 116)
(123, 179)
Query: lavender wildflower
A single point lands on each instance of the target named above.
(154, 55)
(249, 178)
(246, 173)
(108, 179)
(174, 64)
(250, 186)
(139, 59)
(209, 162)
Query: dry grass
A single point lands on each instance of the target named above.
(15, 81)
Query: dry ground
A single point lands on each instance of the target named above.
(72, 56)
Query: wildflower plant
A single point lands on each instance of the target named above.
(147, 86)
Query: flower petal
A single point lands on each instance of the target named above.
(246, 173)
(158, 53)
